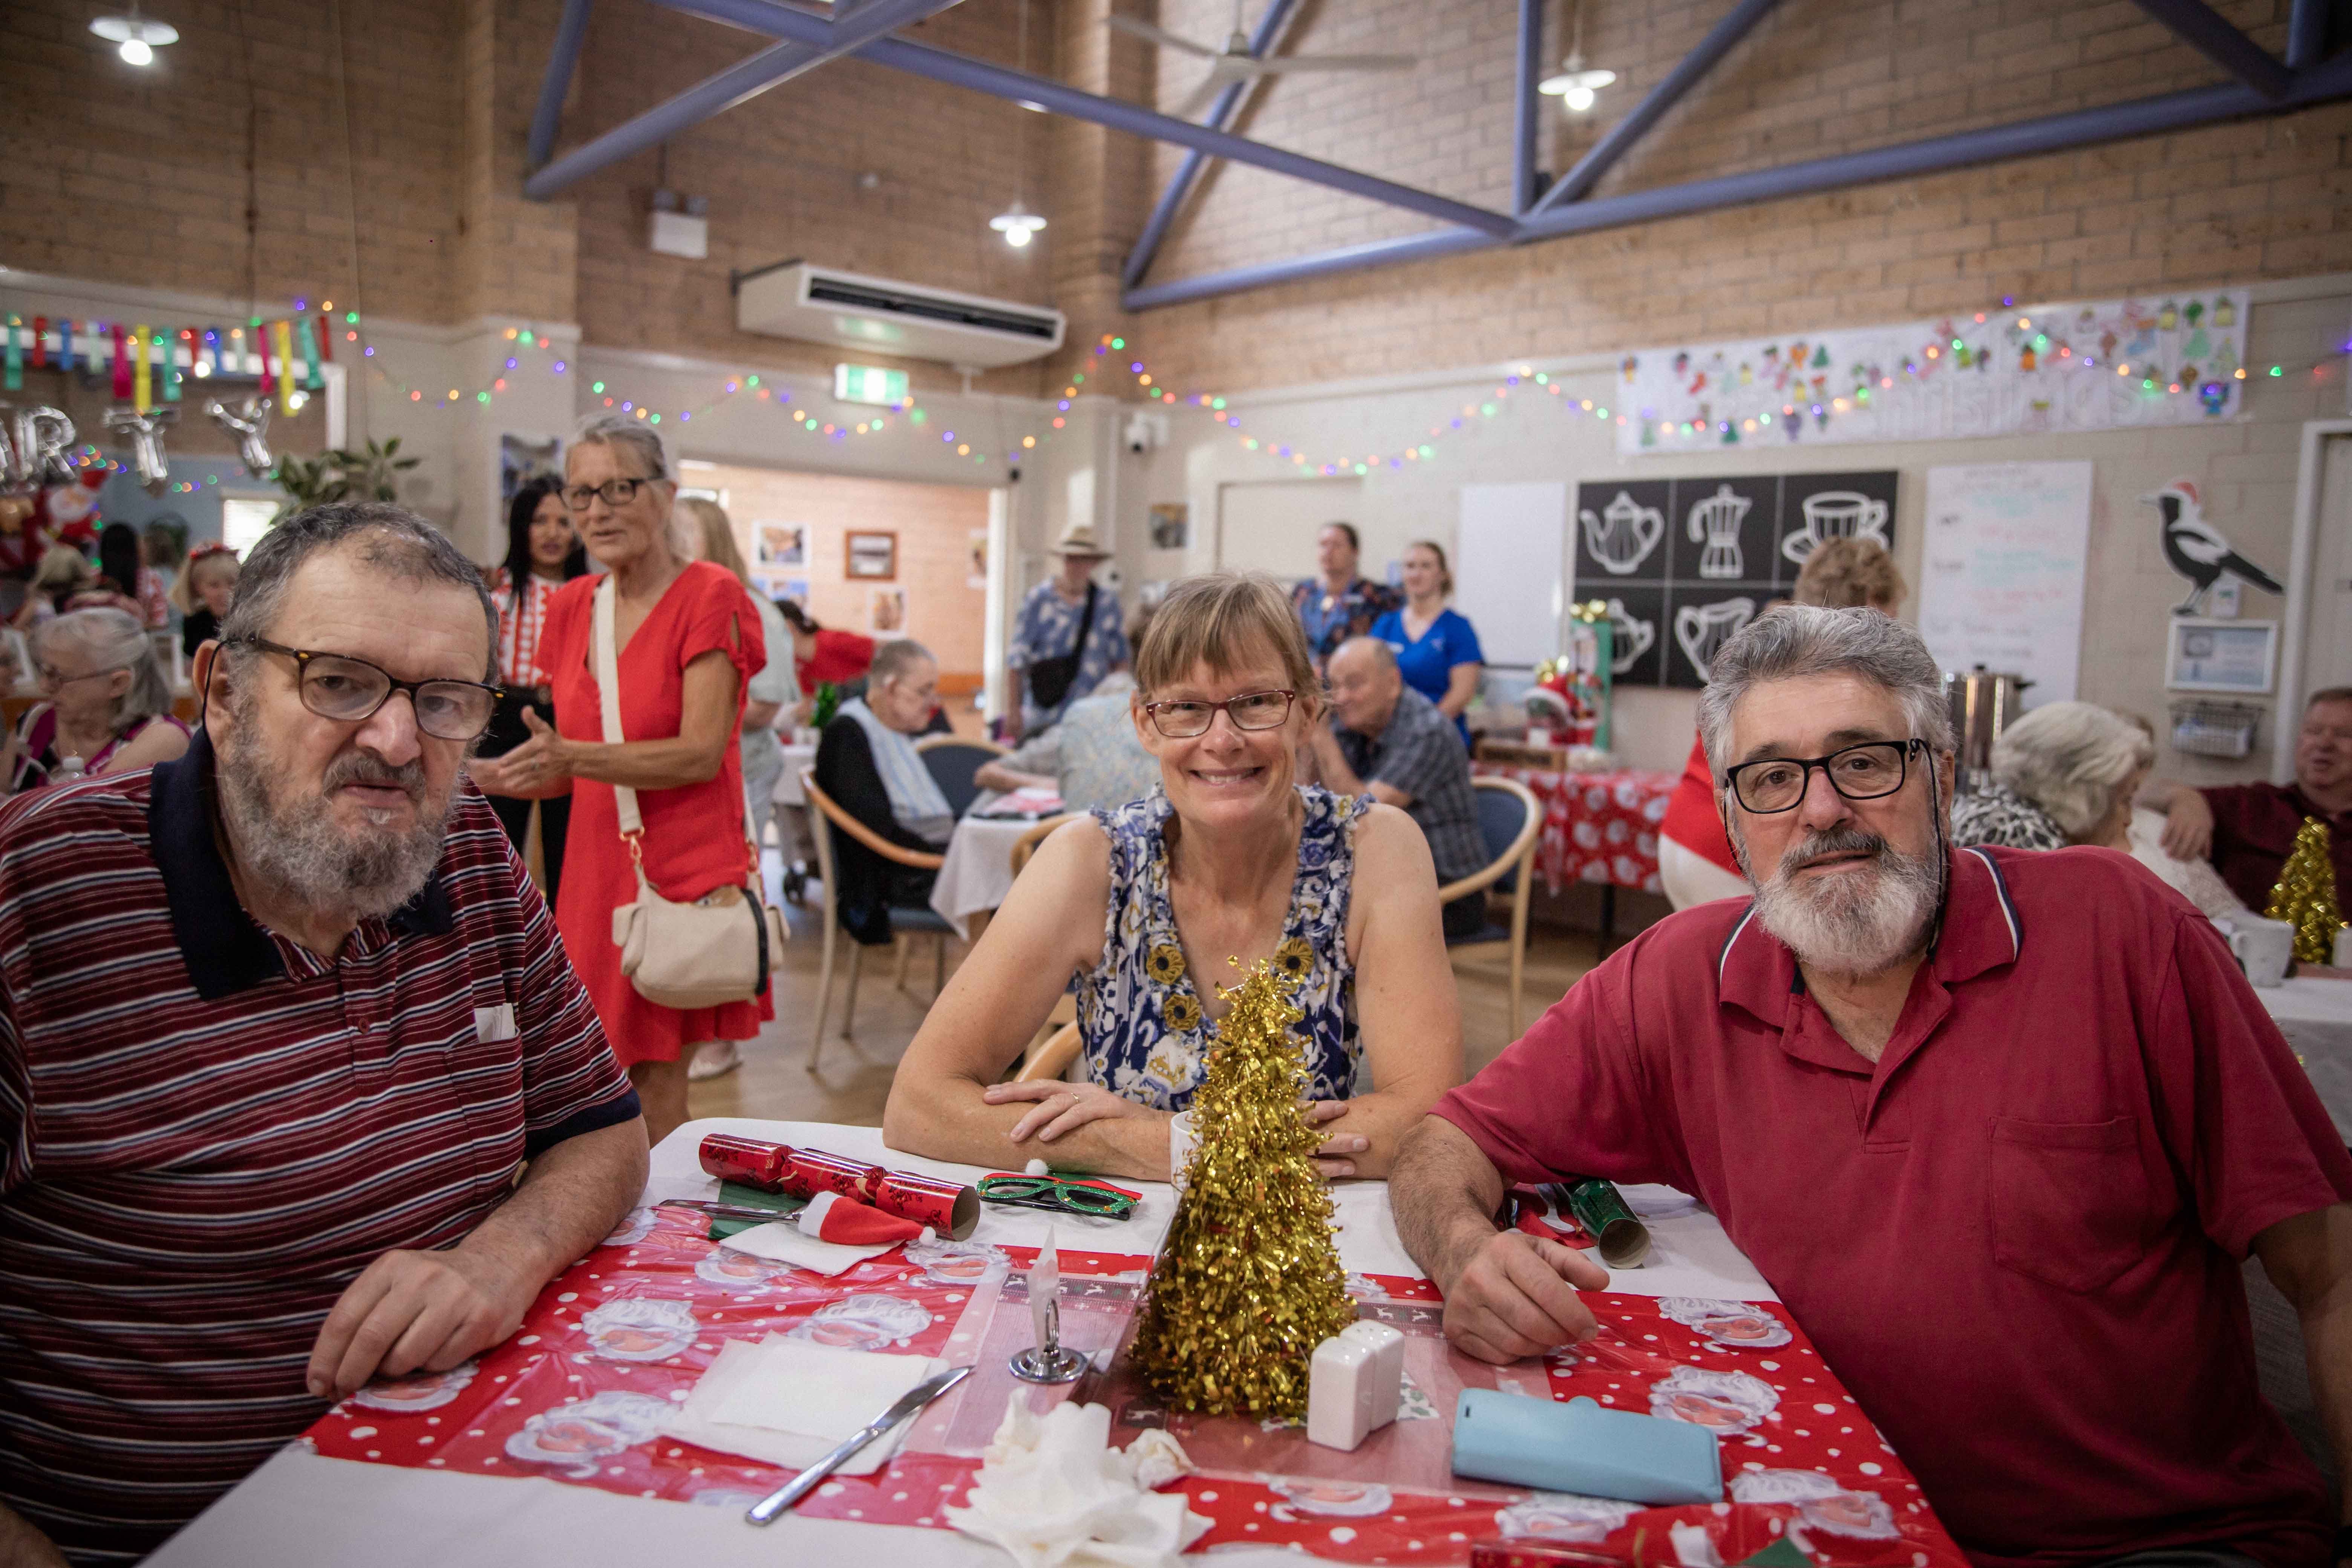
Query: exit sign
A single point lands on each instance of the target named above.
(869, 384)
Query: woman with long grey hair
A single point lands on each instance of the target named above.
(2064, 774)
(109, 705)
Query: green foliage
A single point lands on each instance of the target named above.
(371, 473)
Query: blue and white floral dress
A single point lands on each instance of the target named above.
(1146, 1035)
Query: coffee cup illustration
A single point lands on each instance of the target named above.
(1835, 514)
(1624, 533)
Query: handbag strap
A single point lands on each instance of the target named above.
(608, 695)
(1086, 624)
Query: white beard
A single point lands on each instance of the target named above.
(1859, 921)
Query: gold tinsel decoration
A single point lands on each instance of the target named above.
(2305, 895)
(1248, 1281)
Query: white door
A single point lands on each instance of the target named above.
(2328, 642)
(1271, 526)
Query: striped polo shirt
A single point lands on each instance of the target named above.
(206, 1132)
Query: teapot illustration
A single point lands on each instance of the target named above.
(1621, 537)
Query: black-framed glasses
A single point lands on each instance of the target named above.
(1250, 710)
(1866, 772)
(349, 691)
(615, 492)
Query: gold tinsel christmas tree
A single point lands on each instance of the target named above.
(1248, 1281)
(2305, 895)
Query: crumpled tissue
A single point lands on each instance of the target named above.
(1054, 1493)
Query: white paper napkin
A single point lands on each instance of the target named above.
(781, 1243)
(1053, 1493)
(790, 1403)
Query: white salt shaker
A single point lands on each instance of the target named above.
(1354, 1383)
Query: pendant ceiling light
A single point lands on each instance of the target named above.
(1016, 222)
(135, 38)
(1575, 85)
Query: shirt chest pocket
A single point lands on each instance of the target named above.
(2070, 1203)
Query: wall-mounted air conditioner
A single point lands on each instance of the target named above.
(819, 305)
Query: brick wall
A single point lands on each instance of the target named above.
(118, 174)
(2233, 203)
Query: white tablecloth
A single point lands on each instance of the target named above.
(979, 869)
(2315, 1016)
(300, 1510)
(788, 787)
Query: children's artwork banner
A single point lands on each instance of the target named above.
(2104, 364)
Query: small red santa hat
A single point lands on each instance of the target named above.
(829, 1216)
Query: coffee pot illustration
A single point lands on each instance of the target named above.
(1715, 522)
(1835, 514)
(1621, 537)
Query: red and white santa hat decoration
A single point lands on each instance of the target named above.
(829, 1216)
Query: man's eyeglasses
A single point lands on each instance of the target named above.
(617, 492)
(1866, 772)
(336, 686)
(1250, 710)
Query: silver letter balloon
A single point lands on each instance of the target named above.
(249, 423)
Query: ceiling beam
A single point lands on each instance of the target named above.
(561, 60)
(1620, 138)
(1179, 185)
(2051, 133)
(772, 67)
(780, 21)
(2212, 35)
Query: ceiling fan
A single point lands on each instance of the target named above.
(1234, 63)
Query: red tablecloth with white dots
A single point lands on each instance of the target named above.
(613, 1345)
(1598, 827)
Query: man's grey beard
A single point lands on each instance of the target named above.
(1844, 923)
(294, 847)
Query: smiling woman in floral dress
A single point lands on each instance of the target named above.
(1142, 905)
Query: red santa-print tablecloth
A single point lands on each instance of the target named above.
(1598, 827)
(617, 1343)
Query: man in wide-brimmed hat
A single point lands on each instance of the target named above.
(1070, 634)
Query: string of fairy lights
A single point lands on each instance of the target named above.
(175, 355)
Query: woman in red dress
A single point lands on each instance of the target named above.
(689, 641)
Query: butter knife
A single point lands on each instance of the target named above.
(765, 1511)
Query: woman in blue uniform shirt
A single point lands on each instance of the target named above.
(1437, 649)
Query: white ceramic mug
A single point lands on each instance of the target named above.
(2263, 947)
(2343, 958)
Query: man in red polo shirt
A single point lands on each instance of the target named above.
(1999, 1127)
(280, 1024)
(2248, 829)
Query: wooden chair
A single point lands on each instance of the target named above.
(953, 761)
(904, 922)
(1052, 1058)
(1509, 819)
(1027, 844)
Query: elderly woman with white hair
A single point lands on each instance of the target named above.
(687, 642)
(109, 705)
(2064, 774)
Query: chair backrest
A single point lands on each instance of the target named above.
(823, 836)
(1509, 820)
(953, 761)
(1026, 845)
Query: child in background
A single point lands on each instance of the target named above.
(202, 593)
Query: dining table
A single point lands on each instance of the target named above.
(976, 868)
(466, 1480)
(2315, 1012)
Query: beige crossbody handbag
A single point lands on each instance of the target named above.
(711, 952)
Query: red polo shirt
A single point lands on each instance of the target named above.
(2254, 827)
(2017, 1237)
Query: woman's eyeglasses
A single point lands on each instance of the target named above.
(1060, 1194)
(1866, 772)
(615, 492)
(1250, 710)
(336, 686)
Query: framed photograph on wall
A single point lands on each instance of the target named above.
(2202, 655)
(872, 556)
(1172, 525)
(888, 613)
(781, 543)
(775, 587)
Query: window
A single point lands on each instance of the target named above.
(244, 519)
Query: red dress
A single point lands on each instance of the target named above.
(1691, 818)
(839, 657)
(694, 834)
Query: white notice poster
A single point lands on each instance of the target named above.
(2001, 571)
